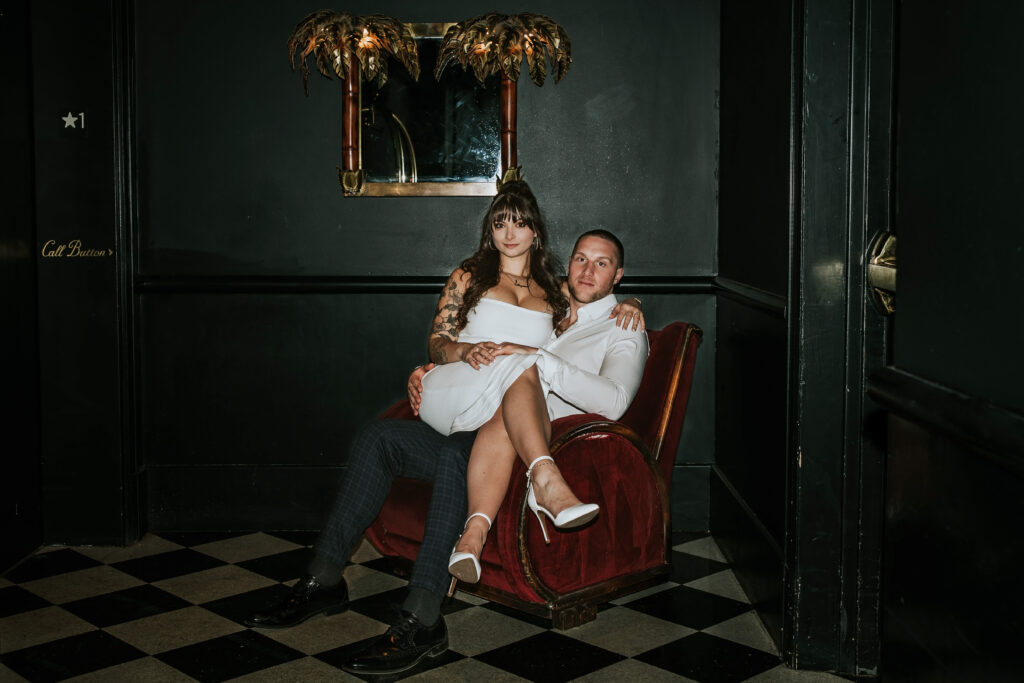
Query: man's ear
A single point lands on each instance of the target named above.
(618, 276)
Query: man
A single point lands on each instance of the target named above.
(590, 365)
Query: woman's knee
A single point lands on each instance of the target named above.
(527, 383)
(496, 421)
(531, 375)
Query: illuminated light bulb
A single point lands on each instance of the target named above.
(368, 39)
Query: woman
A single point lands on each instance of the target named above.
(506, 292)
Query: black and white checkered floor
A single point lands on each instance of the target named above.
(169, 609)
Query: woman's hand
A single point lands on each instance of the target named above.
(629, 312)
(510, 348)
(479, 354)
(414, 387)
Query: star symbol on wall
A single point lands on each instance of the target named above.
(69, 120)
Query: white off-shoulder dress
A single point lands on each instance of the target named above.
(457, 398)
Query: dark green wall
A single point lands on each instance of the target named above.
(755, 174)
(275, 315)
(237, 167)
(748, 491)
(209, 369)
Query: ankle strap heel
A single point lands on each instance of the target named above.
(477, 514)
(466, 566)
(569, 518)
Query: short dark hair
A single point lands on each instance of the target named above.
(605, 235)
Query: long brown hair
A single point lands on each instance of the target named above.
(514, 201)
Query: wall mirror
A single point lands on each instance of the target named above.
(428, 137)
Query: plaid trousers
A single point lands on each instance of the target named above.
(386, 449)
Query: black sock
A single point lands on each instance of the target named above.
(326, 572)
(426, 606)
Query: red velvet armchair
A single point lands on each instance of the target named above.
(625, 466)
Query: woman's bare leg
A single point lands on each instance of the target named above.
(487, 477)
(498, 441)
(529, 431)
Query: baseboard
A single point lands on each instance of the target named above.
(689, 496)
(253, 498)
(755, 557)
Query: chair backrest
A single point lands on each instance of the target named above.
(659, 408)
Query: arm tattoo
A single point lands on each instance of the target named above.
(437, 350)
(454, 299)
(445, 317)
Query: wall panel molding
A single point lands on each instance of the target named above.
(997, 431)
(383, 284)
(751, 296)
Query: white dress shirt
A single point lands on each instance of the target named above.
(594, 366)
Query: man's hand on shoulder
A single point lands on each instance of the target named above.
(629, 312)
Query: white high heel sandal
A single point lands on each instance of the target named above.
(569, 518)
(466, 566)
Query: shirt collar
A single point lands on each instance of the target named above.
(597, 309)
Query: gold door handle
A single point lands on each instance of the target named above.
(882, 272)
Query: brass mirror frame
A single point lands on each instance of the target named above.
(352, 141)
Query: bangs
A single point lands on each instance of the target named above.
(507, 213)
(512, 210)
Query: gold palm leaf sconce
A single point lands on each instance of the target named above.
(498, 44)
(358, 48)
(355, 48)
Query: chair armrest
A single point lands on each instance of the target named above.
(566, 430)
(605, 463)
(399, 410)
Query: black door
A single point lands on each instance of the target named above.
(952, 598)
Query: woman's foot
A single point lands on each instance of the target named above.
(543, 475)
(550, 488)
(464, 563)
(473, 536)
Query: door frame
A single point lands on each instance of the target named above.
(841, 134)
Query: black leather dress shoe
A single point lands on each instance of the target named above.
(308, 599)
(402, 647)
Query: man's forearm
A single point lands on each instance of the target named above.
(607, 393)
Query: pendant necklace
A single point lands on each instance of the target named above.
(515, 281)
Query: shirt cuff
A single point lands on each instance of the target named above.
(547, 363)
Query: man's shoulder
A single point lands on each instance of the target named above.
(609, 329)
(628, 338)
